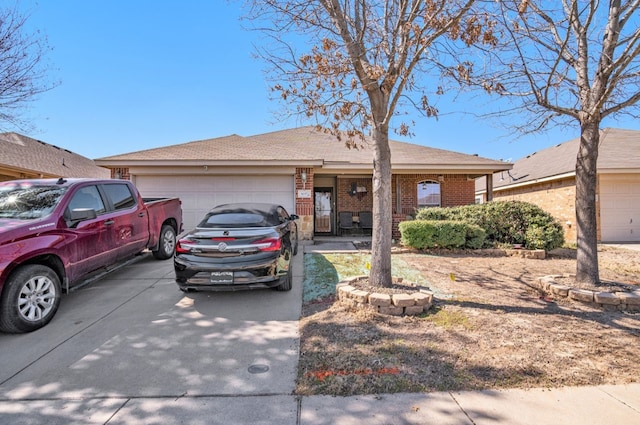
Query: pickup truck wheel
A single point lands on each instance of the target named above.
(167, 244)
(30, 299)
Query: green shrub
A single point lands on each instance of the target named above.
(475, 236)
(422, 234)
(547, 238)
(510, 222)
(417, 233)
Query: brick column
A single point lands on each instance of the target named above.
(304, 202)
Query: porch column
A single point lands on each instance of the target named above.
(489, 187)
(398, 195)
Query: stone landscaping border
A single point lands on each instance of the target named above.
(622, 301)
(399, 304)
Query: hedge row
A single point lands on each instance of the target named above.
(508, 222)
(423, 234)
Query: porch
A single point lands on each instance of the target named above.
(341, 205)
(346, 243)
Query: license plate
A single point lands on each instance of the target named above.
(221, 277)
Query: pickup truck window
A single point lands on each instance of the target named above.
(28, 202)
(87, 197)
(120, 195)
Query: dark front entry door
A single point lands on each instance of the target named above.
(323, 210)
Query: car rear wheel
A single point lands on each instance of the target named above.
(167, 243)
(30, 299)
(285, 282)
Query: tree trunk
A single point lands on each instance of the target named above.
(586, 183)
(382, 218)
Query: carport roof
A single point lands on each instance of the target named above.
(304, 146)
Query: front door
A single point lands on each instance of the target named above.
(323, 210)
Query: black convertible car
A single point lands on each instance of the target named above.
(238, 246)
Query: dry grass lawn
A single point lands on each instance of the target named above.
(489, 328)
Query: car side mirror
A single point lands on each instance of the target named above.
(80, 214)
(293, 217)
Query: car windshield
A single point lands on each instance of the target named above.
(236, 219)
(27, 202)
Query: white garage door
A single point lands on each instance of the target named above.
(201, 193)
(620, 208)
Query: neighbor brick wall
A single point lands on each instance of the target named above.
(557, 197)
(124, 173)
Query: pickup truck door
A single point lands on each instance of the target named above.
(91, 248)
(130, 220)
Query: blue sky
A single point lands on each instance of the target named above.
(141, 74)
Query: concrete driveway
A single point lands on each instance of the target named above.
(132, 348)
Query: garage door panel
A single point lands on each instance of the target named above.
(203, 200)
(614, 203)
(191, 218)
(620, 208)
(199, 194)
(225, 198)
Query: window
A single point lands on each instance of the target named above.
(27, 202)
(120, 195)
(428, 194)
(87, 197)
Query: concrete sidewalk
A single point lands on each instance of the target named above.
(619, 405)
(580, 406)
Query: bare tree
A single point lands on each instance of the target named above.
(365, 62)
(565, 61)
(23, 73)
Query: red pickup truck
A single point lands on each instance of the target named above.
(54, 233)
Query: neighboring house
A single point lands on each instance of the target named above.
(310, 173)
(547, 179)
(22, 157)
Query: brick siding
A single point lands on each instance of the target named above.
(361, 201)
(455, 190)
(124, 173)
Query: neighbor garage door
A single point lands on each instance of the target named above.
(201, 193)
(620, 207)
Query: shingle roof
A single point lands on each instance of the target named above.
(28, 155)
(300, 145)
(231, 147)
(619, 150)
